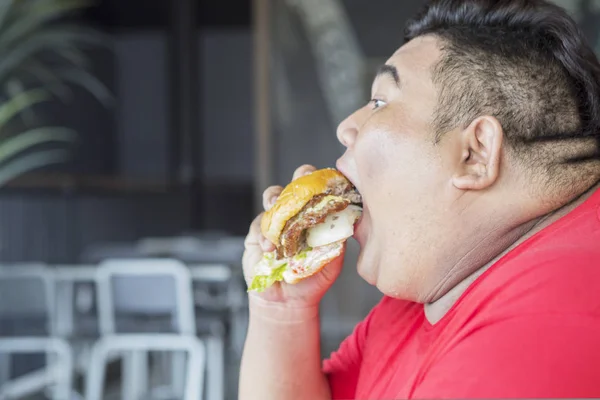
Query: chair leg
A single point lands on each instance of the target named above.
(178, 367)
(141, 372)
(64, 358)
(194, 376)
(194, 379)
(55, 377)
(5, 368)
(216, 364)
(135, 374)
(94, 382)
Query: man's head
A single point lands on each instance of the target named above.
(485, 120)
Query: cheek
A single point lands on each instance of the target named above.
(385, 165)
(389, 145)
(399, 180)
(376, 157)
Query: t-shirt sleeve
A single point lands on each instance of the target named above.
(527, 357)
(343, 366)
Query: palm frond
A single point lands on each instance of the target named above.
(86, 80)
(48, 78)
(5, 8)
(31, 162)
(74, 56)
(79, 75)
(29, 31)
(11, 147)
(34, 15)
(64, 37)
(19, 103)
(15, 87)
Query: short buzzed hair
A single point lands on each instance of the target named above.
(526, 63)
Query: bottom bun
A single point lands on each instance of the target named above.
(294, 269)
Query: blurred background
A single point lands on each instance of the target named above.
(136, 137)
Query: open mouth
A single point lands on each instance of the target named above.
(357, 222)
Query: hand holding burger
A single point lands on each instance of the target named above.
(308, 226)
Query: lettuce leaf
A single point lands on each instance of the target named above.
(261, 282)
(302, 255)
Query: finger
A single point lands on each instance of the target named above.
(250, 258)
(256, 238)
(253, 236)
(265, 244)
(303, 170)
(270, 196)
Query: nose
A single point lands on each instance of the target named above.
(347, 131)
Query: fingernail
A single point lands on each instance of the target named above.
(272, 200)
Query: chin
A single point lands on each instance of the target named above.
(367, 269)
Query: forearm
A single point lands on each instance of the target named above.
(282, 355)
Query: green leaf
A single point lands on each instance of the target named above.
(49, 79)
(302, 255)
(90, 83)
(261, 282)
(5, 8)
(23, 141)
(30, 29)
(33, 16)
(54, 39)
(74, 56)
(15, 87)
(30, 162)
(19, 103)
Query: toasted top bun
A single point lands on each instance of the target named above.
(294, 197)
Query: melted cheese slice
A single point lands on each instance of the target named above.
(336, 227)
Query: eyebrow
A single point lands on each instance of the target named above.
(389, 70)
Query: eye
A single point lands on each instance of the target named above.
(377, 103)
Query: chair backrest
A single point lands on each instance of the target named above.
(144, 286)
(27, 299)
(222, 249)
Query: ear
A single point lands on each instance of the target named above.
(480, 152)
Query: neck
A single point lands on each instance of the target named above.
(492, 248)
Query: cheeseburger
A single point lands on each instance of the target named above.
(309, 223)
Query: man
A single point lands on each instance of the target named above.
(478, 162)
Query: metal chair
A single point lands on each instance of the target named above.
(143, 343)
(57, 376)
(27, 313)
(134, 294)
(210, 250)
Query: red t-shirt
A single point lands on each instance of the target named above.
(528, 327)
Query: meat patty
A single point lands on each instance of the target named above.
(293, 237)
(353, 196)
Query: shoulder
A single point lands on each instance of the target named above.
(559, 281)
(539, 355)
(545, 276)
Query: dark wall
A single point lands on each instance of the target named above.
(303, 131)
(126, 146)
(154, 14)
(56, 228)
